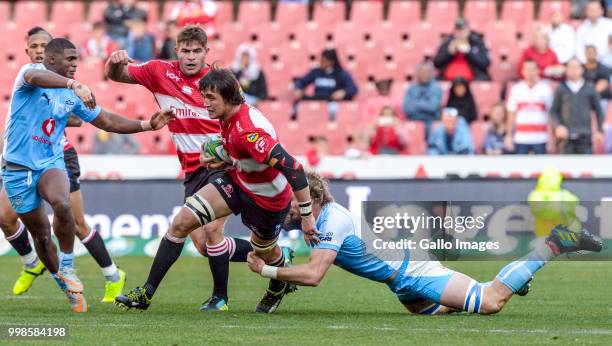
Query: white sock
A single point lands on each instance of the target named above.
(111, 273)
(30, 260)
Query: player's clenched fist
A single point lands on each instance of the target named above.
(83, 92)
(120, 57)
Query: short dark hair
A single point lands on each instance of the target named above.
(192, 33)
(224, 82)
(37, 30)
(57, 46)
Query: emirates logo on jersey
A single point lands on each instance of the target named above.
(48, 127)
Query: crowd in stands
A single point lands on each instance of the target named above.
(434, 77)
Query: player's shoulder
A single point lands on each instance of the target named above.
(253, 120)
(27, 67)
(337, 218)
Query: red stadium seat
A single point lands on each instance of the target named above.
(328, 13)
(389, 33)
(547, 8)
(66, 13)
(425, 37)
(479, 131)
(414, 133)
(96, 10)
(291, 13)
(279, 76)
(518, 11)
(500, 33)
(4, 11)
(278, 112)
(402, 13)
(314, 36)
(154, 143)
(486, 94)
(443, 11)
(225, 12)
(30, 13)
(366, 12)
(349, 34)
(253, 13)
(82, 138)
(480, 13)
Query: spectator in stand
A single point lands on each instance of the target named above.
(113, 143)
(546, 59)
(463, 54)
(461, 99)
(453, 137)
(140, 45)
(422, 99)
(598, 74)
(99, 47)
(168, 49)
(528, 106)
(116, 16)
(319, 148)
(573, 103)
(248, 72)
(561, 37)
(372, 106)
(494, 143)
(331, 83)
(385, 138)
(595, 30)
(607, 60)
(358, 145)
(201, 12)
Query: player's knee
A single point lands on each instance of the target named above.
(201, 209)
(182, 225)
(61, 207)
(491, 306)
(42, 240)
(200, 244)
(265, 250)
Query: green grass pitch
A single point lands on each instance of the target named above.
(570, 302)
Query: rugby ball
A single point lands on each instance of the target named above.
(214, 148)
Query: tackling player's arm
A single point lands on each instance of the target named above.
(111, 122)
(74, 121)
(309, 274)
(292, 169)
(116, 67)
(49, 79)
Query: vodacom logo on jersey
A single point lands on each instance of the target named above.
(48, 126)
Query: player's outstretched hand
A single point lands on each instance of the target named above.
(120, 57)
(310, 230)
(162, 118)
(83, 92)
(210, 163)
(255, 262)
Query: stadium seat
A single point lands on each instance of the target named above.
(153, 143)
(314, 36)
(402, 13)
(96, 10)
(480, 13)
(225, 12)
(66, 13)
(366, 12)
(425, 37)
(30, 13)
(280, 79)
(289, 14)
(479, 130)
(328, 13)
(414, 133)
(82, 138)
(547, 8)
(4, 11)
(518, 11)
(270, 35)
(500, 33)
(253, 13)
(389, 33)
(278, 112)
(444, 12)
(486, 94)
(349, 34)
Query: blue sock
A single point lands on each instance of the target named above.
(66, 259)
(516, 274)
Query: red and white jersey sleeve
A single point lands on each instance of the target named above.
(530, 106)
(173, 90)
(248, 138)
